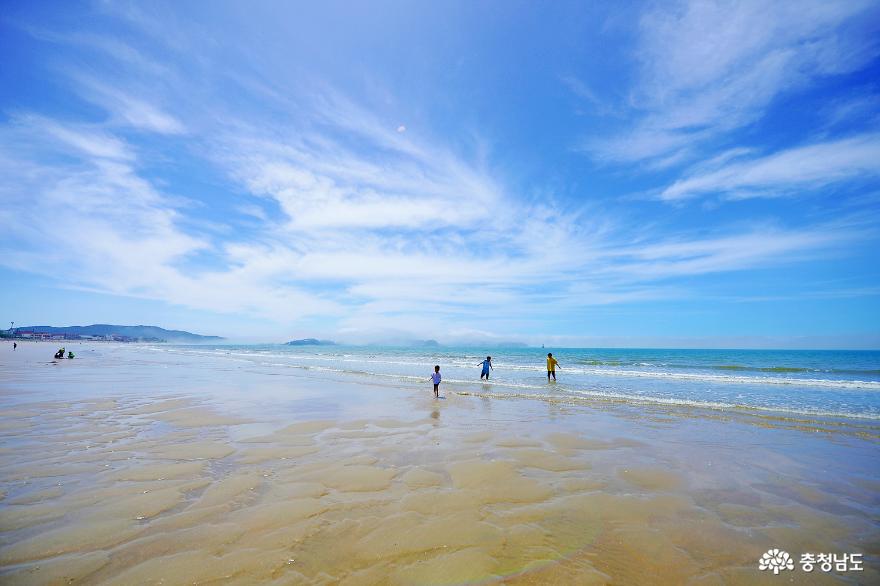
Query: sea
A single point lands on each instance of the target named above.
(827, 383)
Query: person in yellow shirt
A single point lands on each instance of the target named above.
(551, 366)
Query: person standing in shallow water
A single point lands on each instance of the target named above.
(552, 363)
(487, 365)
(435, 378)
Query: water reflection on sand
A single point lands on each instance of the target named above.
(195, 473)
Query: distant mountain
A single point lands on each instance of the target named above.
(134, 332)
(311, 342)
(425, 343)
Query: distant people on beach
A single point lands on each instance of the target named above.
(60, 353)
(435, 378)
(14, 345)
(552, 363)
(487, 366)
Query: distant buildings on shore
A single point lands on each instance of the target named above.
(32, 335)
(105, 333)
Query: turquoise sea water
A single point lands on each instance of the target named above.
(806, 382)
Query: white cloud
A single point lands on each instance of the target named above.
(355, 173)
(804, 168)
(94, 222)
(756, 247)
(87, 140)
(693, 45)
(583, 91)
(707, 68)
(141, 114)
(861, 108)
(138, 112)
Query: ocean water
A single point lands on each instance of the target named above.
(803, 382)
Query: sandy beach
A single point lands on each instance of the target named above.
(129, 467)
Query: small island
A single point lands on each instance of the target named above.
(311, 342)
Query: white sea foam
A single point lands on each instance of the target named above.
(580, 371)
(650, 400)
(582, 383)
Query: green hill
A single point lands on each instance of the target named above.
(134, 332)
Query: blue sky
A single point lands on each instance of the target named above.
(673, 173)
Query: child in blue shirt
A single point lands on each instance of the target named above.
(435, 378)
(487, 364)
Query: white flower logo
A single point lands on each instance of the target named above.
(776, 560)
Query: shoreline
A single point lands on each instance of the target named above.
(590, 396)
(131, 468)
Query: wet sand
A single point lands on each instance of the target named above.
(121, 467)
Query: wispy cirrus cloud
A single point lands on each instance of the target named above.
(92, 220)
(797, 170)
(759, 246)
(96, 222)
(85, 139)
(319, 182)
(127, 109)
(708, 68)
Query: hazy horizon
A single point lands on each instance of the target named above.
(866, 343)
